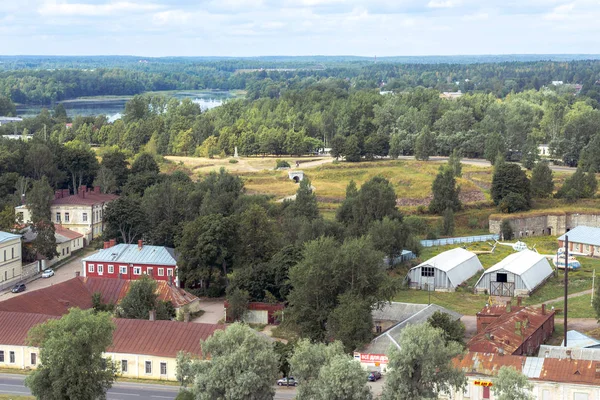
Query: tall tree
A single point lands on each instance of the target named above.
(510, 384)
(445, 192)
(242, 365)
(453, 330)
(351, 322)
(115, 160)
(542, 177)
(326, 372)
(125, 219)
(421, 368)
(510, 178)
(142, 298)
(39, 200)
(305, 203)
(80, 162)
(391, 237)
(72, 365)
(424, 145)
(145, 163)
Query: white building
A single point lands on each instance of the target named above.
(518, 274)
(445, 271)
(10, 259)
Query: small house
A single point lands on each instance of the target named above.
(445, 271)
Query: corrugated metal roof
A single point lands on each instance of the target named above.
(487, 363)
(583, 234)
(396, 311)
(532, 267)
(15, 325)
(132, 254)
(459, 264)
(592, 354)
(382, 343)
(503, 335)
(4, 236)
(160, 338)
(579, 340)
(533, 367)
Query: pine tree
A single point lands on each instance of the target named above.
(445, 192)
(542, 177)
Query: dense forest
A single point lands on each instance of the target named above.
(47, 80)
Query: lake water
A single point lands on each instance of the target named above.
(114, 107)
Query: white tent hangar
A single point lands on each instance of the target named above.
(518, 274)
(445, 271)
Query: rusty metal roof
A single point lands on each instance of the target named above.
(77, 292)
(509, 331)
(160, 338)
(15, 325)
(487, 363)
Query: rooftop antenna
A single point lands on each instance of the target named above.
(566, 282)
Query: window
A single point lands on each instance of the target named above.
(169, 271)
(12, 357)
(67, 250)
(84, 217)
(137, 270)
(58, 217)
(149, 271)
(90, 267)
(4, 255)
(161, 272)
(467, 390)
(100, 268)
(427, 271)
(163, 368)
(148, 367)
(1, 356)
(502, 278)
(33, 359)
(63, 252)
(12, 252)
(111, 269)
(123, 365)
(66, 217)
(580, 396)
(123, 269)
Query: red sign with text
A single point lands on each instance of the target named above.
(373, 358)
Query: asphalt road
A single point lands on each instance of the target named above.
(13, 384)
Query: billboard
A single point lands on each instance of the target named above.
(371, 358)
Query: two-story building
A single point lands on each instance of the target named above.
(10, 259)
(82, 212)
(132, 261)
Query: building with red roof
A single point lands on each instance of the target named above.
(145, 349)
(82, 212)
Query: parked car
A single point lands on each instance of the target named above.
(289, 381)
(374, 376)
(19, 287)
(48, 273)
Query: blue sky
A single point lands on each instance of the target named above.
(298, 27)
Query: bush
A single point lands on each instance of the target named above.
(473, 223)
(184, 395)
(422, 209)
(281, 164)
(432, 235)
(233, 161)
(417, 225)
(513, 202)
(506, 230)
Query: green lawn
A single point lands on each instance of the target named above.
(15, 397)
(579, 307)
(465, 302)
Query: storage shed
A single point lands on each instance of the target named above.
(518, 274)
(445, 271)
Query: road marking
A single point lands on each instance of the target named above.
(124, 394)
(162, 397)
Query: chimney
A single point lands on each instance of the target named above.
(152, 315)
(112, 242)
(140, 244)
(543, 309)
(96, 189)
(501, 351)
(568, 353)
(57, 194)
(519, 299)
(106, 245)
(81, 191)
(77, 273)
(66, 192)
(508, 307)
(186, 317)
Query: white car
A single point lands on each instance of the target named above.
(48, 273)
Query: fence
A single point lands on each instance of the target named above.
(458, 240)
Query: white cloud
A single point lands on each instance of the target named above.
(442, 3)
(169, 17)
(560, 13)
(476, 17)
(64, 8)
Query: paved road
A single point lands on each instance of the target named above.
(13, 384)
(214, 311)
(61, 274)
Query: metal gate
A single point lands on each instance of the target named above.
(505, 289)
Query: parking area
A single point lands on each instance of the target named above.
(65, 272)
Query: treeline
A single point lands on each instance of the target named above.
(46, 81)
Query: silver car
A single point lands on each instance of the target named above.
(48, 273)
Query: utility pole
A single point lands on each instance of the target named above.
(566, 283)
(593, 286)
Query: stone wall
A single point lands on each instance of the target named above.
(554, 224)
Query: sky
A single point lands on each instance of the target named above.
(239, 28)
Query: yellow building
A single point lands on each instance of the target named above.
(82, 212)
(143, 349)
(10, 259)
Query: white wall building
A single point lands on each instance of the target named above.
(445, 271)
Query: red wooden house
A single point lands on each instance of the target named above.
(132, 261)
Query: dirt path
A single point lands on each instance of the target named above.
(293, 197)
(214, 311)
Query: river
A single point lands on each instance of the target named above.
(113, 107)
